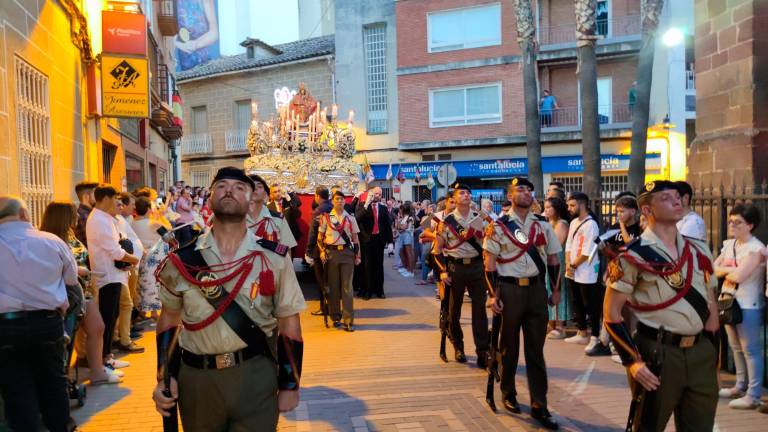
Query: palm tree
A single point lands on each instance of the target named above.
(526, 37)
(650, 10)
(586, 70)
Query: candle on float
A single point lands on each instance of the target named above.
(254, 109)
(351, 116)
(334, 111)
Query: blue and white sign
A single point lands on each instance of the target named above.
(503, 168)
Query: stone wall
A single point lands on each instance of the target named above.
(731, 97)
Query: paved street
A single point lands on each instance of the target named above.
(387, 377)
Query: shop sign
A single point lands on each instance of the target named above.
(123, 33)
(124, 86)
(504, 168)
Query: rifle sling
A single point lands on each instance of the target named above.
(693, 297)
(233, 315)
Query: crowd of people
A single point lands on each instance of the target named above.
(544, 269)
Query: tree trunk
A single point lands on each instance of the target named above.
(587, 72)
(526, 38)
(651, 10)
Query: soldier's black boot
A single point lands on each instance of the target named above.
(544, 418)
(510, 403)
(460, 356)
(482, 359)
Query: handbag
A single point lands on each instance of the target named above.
(728, 308)
(127, 246)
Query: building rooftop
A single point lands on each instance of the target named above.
(284, 53)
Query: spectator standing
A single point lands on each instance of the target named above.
(60, 219)
(691, 225)
(322, 206)
(184, 209)
(486, 206)
(375, 233)
(405, 226)
(547, 107)
(104, 252)
(742, 266)
(146, 228)
(129, 295)
(586, 292)
(84, 192)
(37, 266)
(556, 212)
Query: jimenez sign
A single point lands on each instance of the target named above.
(124, 86)
(501, 168)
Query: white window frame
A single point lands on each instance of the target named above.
(33, 137)
(200, 176)
(478, 119)
(377, 87)
(466, 44)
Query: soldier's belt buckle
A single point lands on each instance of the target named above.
(466, 261)
(340, 247)
(523, 281)
(224, 361)
(687, 341)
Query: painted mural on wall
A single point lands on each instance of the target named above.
(198, 39)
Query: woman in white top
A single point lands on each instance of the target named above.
(741, 264)
(405, 230)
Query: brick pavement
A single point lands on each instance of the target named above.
(387, 376)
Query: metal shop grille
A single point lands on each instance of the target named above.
(612, 184)
(33, 135)
(375, 43)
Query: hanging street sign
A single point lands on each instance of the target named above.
(124, 86)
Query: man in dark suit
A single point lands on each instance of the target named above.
(287, 204)
(375, 232)
(321, 206)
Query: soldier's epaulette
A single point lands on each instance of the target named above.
(503, 219)
(541, 218)
(275, 214)
(186, 252)
(271, 246)
(632, 245)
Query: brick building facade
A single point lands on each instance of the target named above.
(217, 99)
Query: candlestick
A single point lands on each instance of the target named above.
(254, 110)
(351, 116)
(334, 111)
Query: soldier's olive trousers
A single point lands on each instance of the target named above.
(688, 387)
(340, 268)
(525, 307)
(237, 399)
(469, 277)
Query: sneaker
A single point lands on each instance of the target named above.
(616, 358)
(731, 393)
(117, 373)
(599, 350)
(578, 339)
(556, 334)
(744, 403)
(117, 364)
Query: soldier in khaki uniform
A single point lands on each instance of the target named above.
(340, 252)
(267, 223)
(520, 249)
(239, 302)
(458, 253)
(666, 279)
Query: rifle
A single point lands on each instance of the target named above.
(324, 292)
(640, 394)
(444, 321)
(495, 360)
(168, 360)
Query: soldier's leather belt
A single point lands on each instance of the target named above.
(668, 338)
(219, 361)
(464, 261)
(29, 314)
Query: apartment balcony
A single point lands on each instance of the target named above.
(167, 18)
(617, 28)
(235, 141)
(196, 144)
(690, 79)
(569, 118)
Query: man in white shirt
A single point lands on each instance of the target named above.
(104, 252)
(126, 206)
(36, 267)
(586, 291)
(691, 225)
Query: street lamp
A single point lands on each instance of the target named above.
(672, 37)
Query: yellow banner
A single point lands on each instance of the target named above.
(124, 86)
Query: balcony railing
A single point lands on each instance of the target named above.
(571, 116)
(199, 143)
(617, 27)
(235, 140)
(167, 19)
(690, 79)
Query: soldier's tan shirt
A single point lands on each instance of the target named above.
(284, 235)
(329, 235)
(646, 288)
(218, 337)
(497, 243)
(449, 240)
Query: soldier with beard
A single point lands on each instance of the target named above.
(238, 300)
(520, 249)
